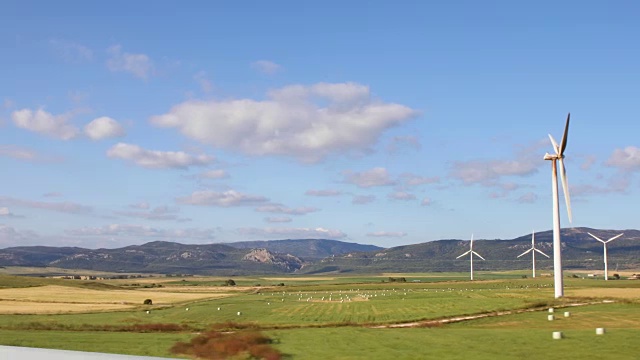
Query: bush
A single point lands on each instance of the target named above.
(219, 345)
(148, 302)
(230, 282)
(616, 276)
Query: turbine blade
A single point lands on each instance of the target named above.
(563, 143)
(541, 252)
(615, 237)
(463, 254)
(525, 253)
(595, 237)
(565, 187)
(556, 148)
(478, 255)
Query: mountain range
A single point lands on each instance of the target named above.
(310, 256)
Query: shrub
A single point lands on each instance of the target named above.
(230, 282)
(148, 302)
(616, 276)
(219, 345)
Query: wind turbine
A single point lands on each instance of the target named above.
(533, 250)
(606, 276)
(471, 253)
(557, 246)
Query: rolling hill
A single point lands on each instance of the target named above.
(311, 256)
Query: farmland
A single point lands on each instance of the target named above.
(346, 317)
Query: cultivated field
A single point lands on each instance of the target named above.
(337, 317)
(62, 299)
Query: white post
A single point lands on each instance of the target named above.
(606, 272)
(534, 262)
(557, 245)
(471, 254)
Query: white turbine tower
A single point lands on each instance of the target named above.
(557, 246)
(533, 250)
(606, 276)
(471, 253)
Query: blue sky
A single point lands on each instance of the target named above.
(387, 124)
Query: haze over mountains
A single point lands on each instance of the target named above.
(309, 256)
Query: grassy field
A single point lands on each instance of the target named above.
(329, 316)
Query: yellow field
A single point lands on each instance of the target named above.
(629, 293)
(214, 291)
(57, 299)
(298, 278)
(25, 307)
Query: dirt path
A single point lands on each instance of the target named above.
(454, 319)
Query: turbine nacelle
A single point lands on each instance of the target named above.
(548, 156)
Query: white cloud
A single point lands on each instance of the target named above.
(143, 231)
(627, 159)
(398, 143)
(102, 128)
(395, 234)
(588, 162)
(279, 209)
(78, 96)
(266, 67)
(362, 199)
(70, 51)
(156, 159)
(401, 195)
(483, 172)
(618, 183)
(9, 236)
(157, 213)
(40, 121)
(17, 152)
(140, 65)
(64, 206)
(528, 198)
(489, 172)
(141, 205)
(293, 233)
(305, 122)
(214, 174)
(52, 194)
(415, 180)
(203, 81)
(223, 199)
(425, 202)
(278, 219)
(328, 192)
(375, 177)
(5, 212)
(8, 103)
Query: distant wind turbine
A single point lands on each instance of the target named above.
(606, 274)
(533, 250)
(557, 246)
(471, 253)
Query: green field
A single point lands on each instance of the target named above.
(354, 317)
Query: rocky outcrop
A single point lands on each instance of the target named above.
(285, 261)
